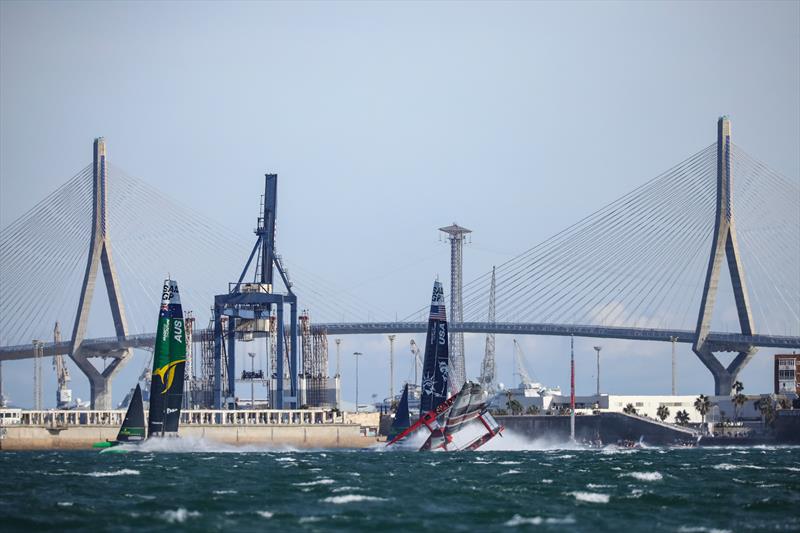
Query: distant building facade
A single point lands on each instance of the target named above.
(787, 373)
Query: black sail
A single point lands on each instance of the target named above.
(435, 367)
(133, 426)
(402, 420)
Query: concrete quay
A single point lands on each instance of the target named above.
(75, 430)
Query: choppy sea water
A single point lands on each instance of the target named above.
(556, 489)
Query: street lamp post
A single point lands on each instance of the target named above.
(252, 379)
(674, 340)
(357, 354)
(597, 349)
(391, 368)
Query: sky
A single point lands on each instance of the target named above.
(386, 121)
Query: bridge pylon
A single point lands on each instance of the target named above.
(725, 244)
(99, 256)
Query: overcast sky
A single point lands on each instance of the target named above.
(386, 121)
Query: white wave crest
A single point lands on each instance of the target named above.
(323, 481)
(696, 529)
(65, 504)
(350, 498)
(225, 492)
(590, 497)
(265, 514)
(645, 476)
(518, 520)
(728, 466)
(511, 472)
(179, 515)
(123, 472)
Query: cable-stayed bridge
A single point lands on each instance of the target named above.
(646, 266)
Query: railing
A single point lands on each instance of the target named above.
(195, 417)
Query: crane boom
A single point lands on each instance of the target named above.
(524, 377)
(418, 360)
(63, 393)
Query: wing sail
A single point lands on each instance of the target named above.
(133, 427)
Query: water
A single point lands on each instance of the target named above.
(680, 490)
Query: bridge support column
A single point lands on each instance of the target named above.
(99, 257)
(725, 244)
(724, 377)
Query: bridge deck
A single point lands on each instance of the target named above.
(111, 346)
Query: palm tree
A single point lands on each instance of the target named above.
(767, 409)
(682, 418)
(532, 410)
(662, 412)
(738, 387)
(629, 409)
(738, 401)
(514, 406)
(703, 405)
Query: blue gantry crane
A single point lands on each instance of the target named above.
(249, 304)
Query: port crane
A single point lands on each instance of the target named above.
(417, 360)
(63, 392)
(519, 355)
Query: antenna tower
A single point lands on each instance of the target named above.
(457, 236)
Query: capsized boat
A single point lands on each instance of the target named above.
(166, 384)
(458, 422)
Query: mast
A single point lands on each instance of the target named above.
(572, 388)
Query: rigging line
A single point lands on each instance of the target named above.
(588, 218)
(24, 288)
(701, 154)
(754, 245)
(761, 305)
(568, 250)
(36, 251)
(32, 211)
(337, 291)
(739, 152)
(694, 263)
(358, 302)
(584, 233)
(565, 252)
(180, 211)
(668, 247)
(615, 258)
(325, 290)
(36, 215)
(761, 187)
(683, 258)
(140, 300)
(703, 260)
(756, 257)
(756, 306)
(36, 234)
(71, 293)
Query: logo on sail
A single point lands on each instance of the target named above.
(167, 374)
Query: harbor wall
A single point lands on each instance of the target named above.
(609, 428)
(304, 428)
(310, 436)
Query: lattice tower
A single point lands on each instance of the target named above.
(488, 377)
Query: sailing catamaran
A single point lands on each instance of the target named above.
(458, 422)
(166, 384)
